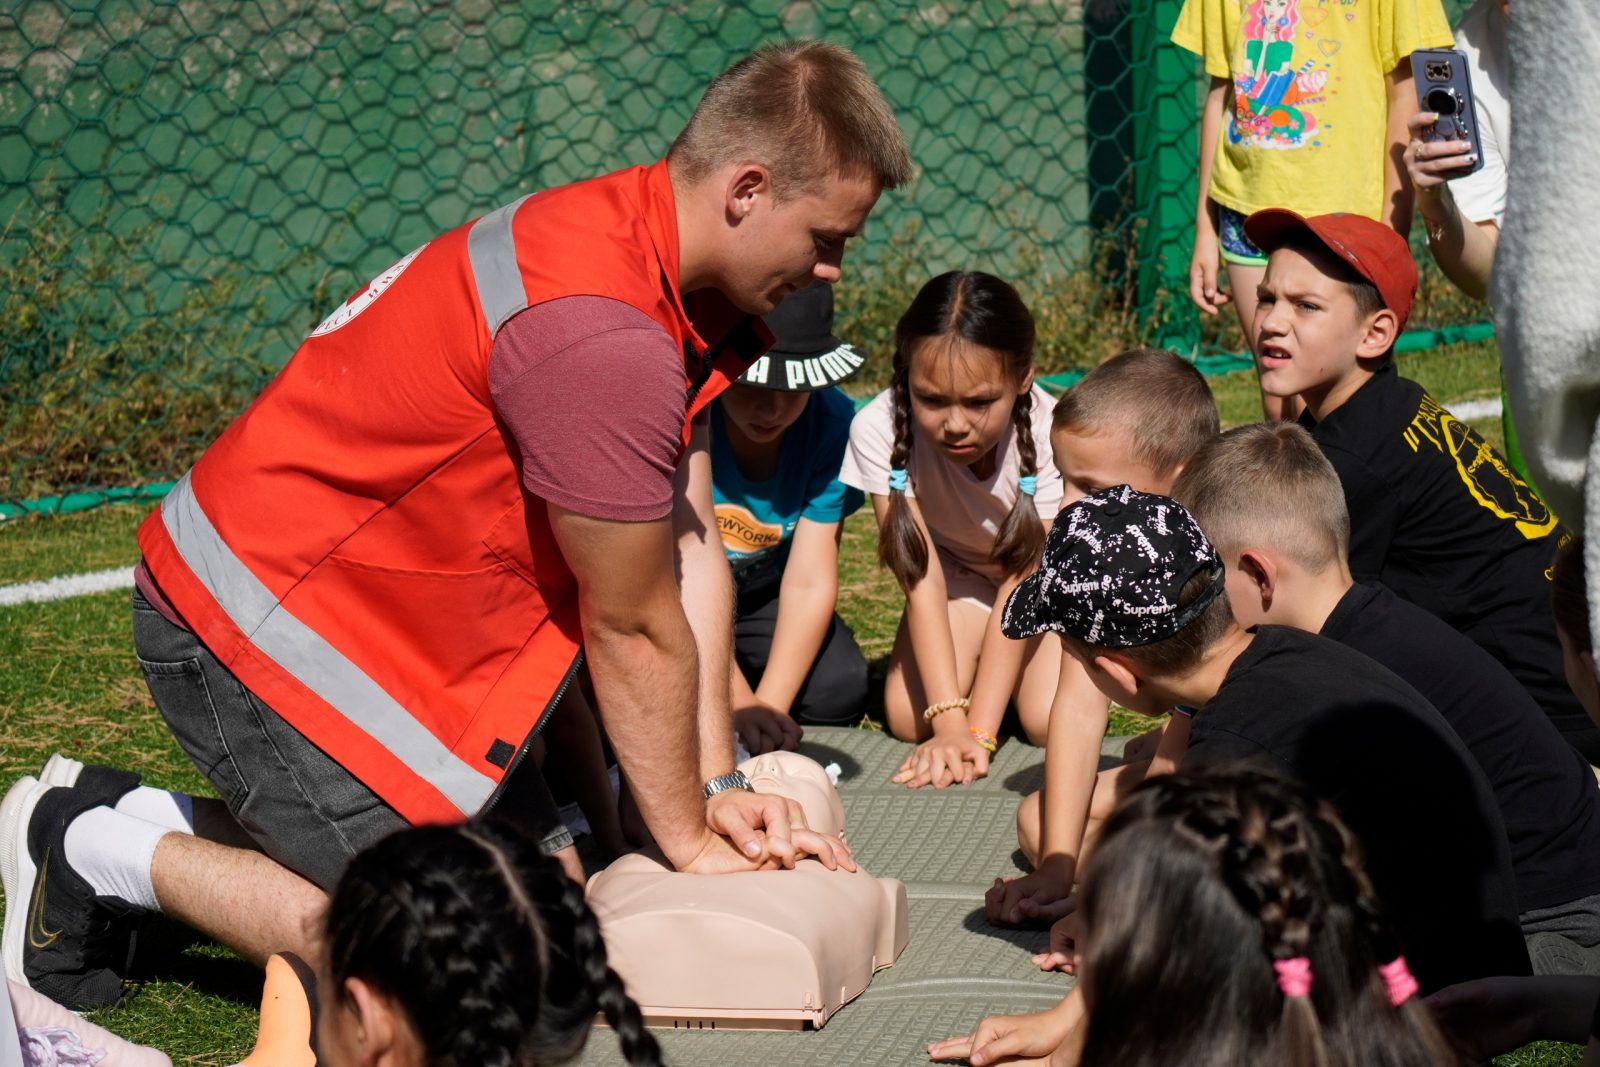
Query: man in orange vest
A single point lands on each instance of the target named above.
(357, 609)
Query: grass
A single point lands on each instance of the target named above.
(69, 682)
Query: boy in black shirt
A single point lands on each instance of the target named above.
(1436, 514)
(1271, 504)
(1136, 592)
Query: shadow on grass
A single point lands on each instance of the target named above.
(168, 951)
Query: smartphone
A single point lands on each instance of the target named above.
(1444, 86)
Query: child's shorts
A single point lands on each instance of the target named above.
(1237, 248)
(967, 585)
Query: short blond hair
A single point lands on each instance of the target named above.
(1157, 396)
(804, 109)
(1269, 485)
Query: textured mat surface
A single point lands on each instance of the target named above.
(947, 846)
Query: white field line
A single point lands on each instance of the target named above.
(122, 577)
(68, 585)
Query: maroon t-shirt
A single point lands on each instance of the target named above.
(592, 390)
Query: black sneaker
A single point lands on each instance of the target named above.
(61, 939)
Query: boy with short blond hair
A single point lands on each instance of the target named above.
(1133, 420)
(1272, 505)
(1436, 514)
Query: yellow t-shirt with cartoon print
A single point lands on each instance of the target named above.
(1306, 124)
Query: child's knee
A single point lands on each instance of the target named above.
(1028, 828)
(1035, 718)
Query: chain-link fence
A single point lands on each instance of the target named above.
(186, 188)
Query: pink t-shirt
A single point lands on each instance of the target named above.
(592, 391)
(964, 513)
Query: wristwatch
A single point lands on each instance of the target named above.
(724, 782)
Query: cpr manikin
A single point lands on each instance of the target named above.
(778, 950)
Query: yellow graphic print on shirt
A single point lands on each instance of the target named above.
(1483, 471)
(743, 533)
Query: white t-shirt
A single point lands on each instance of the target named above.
(964, 513)
(1481, 196)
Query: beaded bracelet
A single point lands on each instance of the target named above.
(988, 742)
(943, 706)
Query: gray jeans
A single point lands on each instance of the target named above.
(1564, 939)
(298, 805)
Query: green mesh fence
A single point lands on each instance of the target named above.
(186, 188)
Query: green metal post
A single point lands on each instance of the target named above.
(1166, 117)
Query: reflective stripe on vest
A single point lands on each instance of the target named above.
(492, 251)
(312, 661)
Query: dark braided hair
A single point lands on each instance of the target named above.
(484, 942)
(1200, 884)
(987, 312)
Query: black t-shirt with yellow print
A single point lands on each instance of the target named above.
(1439, 516)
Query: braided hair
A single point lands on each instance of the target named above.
(984, 311)
(1211, 901)
(484, 942)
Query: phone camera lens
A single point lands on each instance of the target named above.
(1443, 101)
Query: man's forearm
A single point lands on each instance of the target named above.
(645, 682)
(707, 586)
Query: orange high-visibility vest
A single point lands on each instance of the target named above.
(357, 547)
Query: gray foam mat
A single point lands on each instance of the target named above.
(947, 846)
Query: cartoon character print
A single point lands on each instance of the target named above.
(1486, 475)
(1270, 93)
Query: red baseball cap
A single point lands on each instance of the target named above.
(1372, 249)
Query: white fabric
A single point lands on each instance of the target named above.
(36, 1014)
(1482, 36)
(174, 811)
(112, 852)
(964, 514)
(1546, 282)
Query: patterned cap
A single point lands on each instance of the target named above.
(1113, 567)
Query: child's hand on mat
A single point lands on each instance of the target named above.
(944, 760)
(1140, 748)
(1066, 934)
(1429, 163)
(766, 729)
(1039, 1038)
(1203, 270)
(1038, 897)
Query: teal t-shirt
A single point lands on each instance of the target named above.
(757, 519)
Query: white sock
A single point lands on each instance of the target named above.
(175, 811)
(113, 852)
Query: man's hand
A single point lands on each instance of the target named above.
(1066, 935)
(765, 826)
(944, 760)
(1040, 896)
(764, 729)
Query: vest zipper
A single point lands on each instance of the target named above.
(539, 723)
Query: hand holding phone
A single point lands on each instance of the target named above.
(1444, 141)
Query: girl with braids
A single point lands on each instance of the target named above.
(956, 457)
(1229, 922)
(464, 946)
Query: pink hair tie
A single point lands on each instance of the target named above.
(1294, 976)
(1398, 981)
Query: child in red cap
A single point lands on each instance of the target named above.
(1436, 514)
